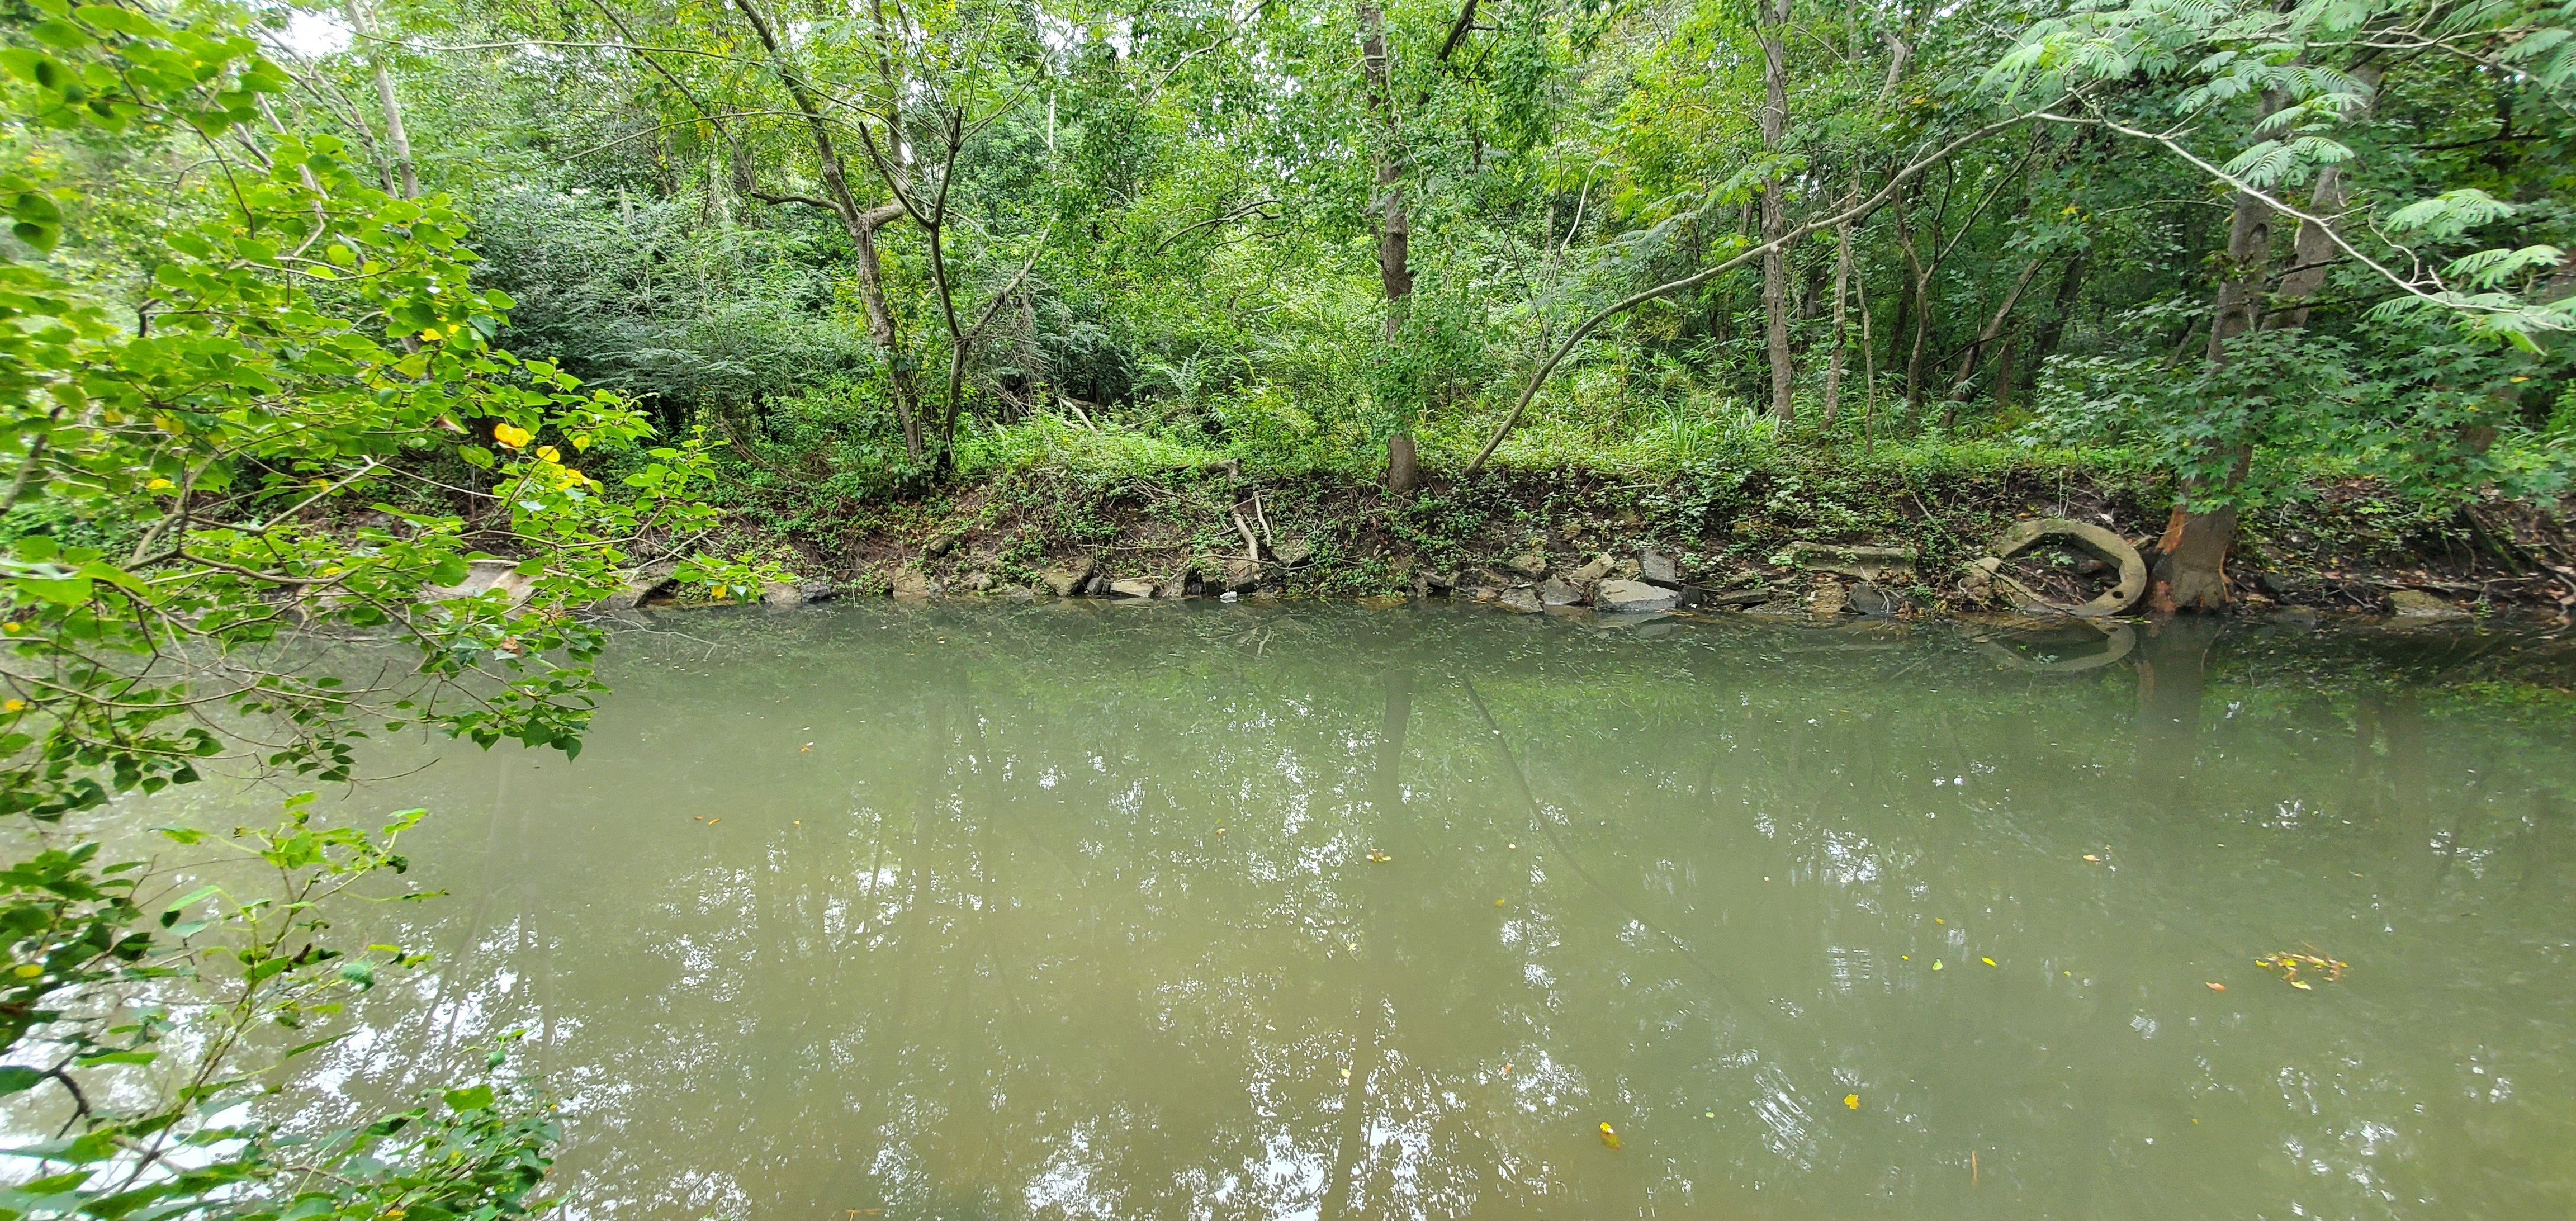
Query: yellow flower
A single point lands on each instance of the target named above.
(13, 705)
(550, 453)
(12, 627)
(159, 485)
(512, 435)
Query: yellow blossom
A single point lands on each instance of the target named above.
(13, 705)
(550, 453)
(512, 435)
(159, 485)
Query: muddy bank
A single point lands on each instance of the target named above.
(1901, 543)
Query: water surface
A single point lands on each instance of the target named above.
(1068, 910)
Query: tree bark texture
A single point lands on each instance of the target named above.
(862, 225)
(1772, 18)
(1395, 230)
(2191, 572)
(397, 139)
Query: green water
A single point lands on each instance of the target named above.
(1071, 911)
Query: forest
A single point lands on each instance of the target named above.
(434, 321)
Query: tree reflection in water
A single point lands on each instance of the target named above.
(1068, 911)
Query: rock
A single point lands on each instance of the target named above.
(1866, 562)
(1532, 565)
(1520, 600)
(1294, 553)
(976, 582)
(484, 576)
(1829, 599)
(1132, 587)
(1633, 598)
(1869, 599)
(1598, 568)
(1624, 570)
(1557, 593)
(2416, 604)
(1067, 582)
(1656, 568)
(1241, 576)
(1484, 593)
(910, 583)
(782, 593)
(1096, 587)
(643, 583)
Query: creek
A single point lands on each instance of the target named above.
(1062, 910)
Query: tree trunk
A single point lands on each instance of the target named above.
(1395, 230)
(1963, 382)
(2006, 374)
(2313, 252)
(397, 140)
(1771, 17)
(1842, 292)
(2070, 287)
(2191, 574)
(862, 225)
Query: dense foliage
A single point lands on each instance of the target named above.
(223, 409)
(430, 323)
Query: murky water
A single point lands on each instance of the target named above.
(1083, 911)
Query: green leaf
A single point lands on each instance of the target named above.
(18, 1079)
(475, 1098)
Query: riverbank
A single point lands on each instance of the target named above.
(1795, 531)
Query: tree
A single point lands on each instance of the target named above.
(306, 356)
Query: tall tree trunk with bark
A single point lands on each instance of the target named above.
(1394, 230)
(1771, 19)
(1842, 294)
(397, 138)
(2052, 329)
(861, 224)
(2191, 569)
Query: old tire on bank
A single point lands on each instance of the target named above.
(2093, 540)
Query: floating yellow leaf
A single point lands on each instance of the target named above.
(2290, 963)
(1609, 1137)
(1852, 1101)
(2215, 986)
(1497, 902)
(1988, 961)
(1936, 964)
